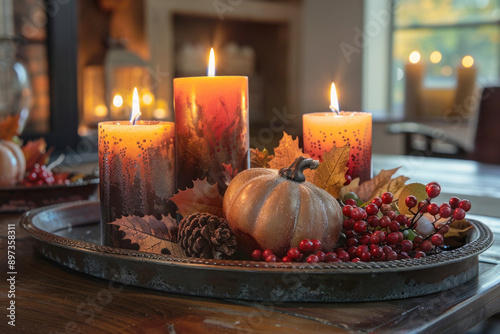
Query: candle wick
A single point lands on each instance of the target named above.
(136, 118)
(332, 108)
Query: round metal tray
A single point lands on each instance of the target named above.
(69, 235)
(23, 198)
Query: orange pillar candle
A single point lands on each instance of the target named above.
(211, 120)
(136, 171)
(324, 130)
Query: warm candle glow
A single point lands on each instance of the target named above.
(436, 57)
(447, 71)
(467, 61)
(147, 98)
(211, 63)
(414, 57)
(117, 100)
(100, 110)
(136, 109)
(334, 101)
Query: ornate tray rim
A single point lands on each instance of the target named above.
(482, 242)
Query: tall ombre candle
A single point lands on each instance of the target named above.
(324, 130)
(211, 120)
(137, 173)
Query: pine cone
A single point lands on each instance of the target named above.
(206, 236)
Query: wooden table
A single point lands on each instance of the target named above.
(51, 298)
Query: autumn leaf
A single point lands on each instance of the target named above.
(36, 152)
(457, 234)
(286, 153)
(202, 197)
(393, 186)
(152, 235)
(330, 175)
(9, 127)
(229, 173)
(459, 229)
(260, 159)
(415, 189)
(375, 185)
(351, 187)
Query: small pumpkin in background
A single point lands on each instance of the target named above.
(271, 209)
(12, 163)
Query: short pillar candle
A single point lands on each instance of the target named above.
(324, 130)
(137, 173)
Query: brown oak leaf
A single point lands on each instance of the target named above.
(375, 185)
(152, 235)
(260, 159)
(9, 127)
(202, 197)
(330, 175)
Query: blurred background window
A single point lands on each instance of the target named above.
(444, 33)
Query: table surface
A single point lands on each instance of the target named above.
(53, 298)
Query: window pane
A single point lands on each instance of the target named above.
(421, 12)
(481, 42)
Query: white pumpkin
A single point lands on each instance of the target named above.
(12, 163)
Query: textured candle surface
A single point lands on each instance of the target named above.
(137, 172)
(323, 131)
(211, 116)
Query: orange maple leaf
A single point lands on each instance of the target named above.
(202, 197)
(286, 153)
(9, 127)
(260, 159)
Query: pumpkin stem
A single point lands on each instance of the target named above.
(296, 170)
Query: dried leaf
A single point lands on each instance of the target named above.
(457, 235)
(36, 152)
(351, 187)
(9, 127)
(393, 186)
(330, 175)
(260, 159)
(202, 197)
(152, 235)
(415, 189)
(229, 173)
(459, 229)
(286, 153)
(375, 185)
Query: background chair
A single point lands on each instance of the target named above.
(487, 138)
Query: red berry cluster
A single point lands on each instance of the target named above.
(41, 175)
(376, 232)
(309, 250)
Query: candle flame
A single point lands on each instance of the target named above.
(436, 57)
(467, 61)
(136, 109)
(334, 101)
(117, 100)
(211, 64)
(414, 57)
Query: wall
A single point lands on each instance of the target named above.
(329, 28)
